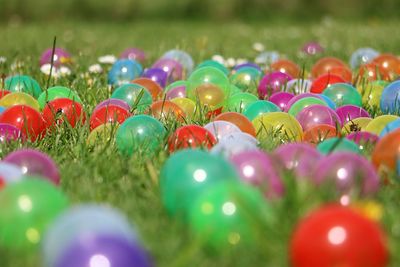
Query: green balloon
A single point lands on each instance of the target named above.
(230, 214)
(336, 144)
(234, 90)
(141, 134)
(343, 94)
(187, 173)
(239, 102)
(137, 96)
(57, 92)
(27, 208)
(300, 104)
(246, 78)
(259, 107)
(174, 85)
(23, 83)
(214, 64)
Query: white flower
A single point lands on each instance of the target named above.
(45, 68)
(230, 62)
(16, 65)
(241, 61)
(107, 59)
(63, 70)
(259, 47)
(95, 68)
(218, 58)
(3, 60)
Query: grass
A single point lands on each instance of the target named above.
(131, 184)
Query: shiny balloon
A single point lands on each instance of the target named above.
(19, 98)
(389, 102)
(9, 132)
(336, 144)
(23, 83)
(303, 103)
(324, 81)
(228, 147)
(175, 90)
(137, 96)
(239, 120)
(362, 56)
(386, 152)
(191, 136)
(57, 92)
(213, 64)
(170, 66)
(112, 101)
(299, 86)
(182, 57)
(388, 64)
(296, 98)
(286, 66)
(58, 57)
(318, 133)
(187, 105)
(259, 107)
(221, 128)
(348, 113)
(356, 125)
(325, 65)
(314, 115)
(343, 94)
(281, 99)
(166, 110)
(62, 110)
(123, 71)
(272, 83)
(108, 114)
(133, 53)
(103, 134)
(239, 102)
(154, 88)
(312, 48)
(157, 75)
(379, 123)
(371, 92)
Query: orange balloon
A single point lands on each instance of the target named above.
(165, 109)
(239, 120)
(372, 72)
(325, 65)
(286, 66)
(153, 87)
(386, 151)
(344, 72)
(319, 133)
(388, 64)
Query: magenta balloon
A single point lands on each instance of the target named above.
(298, 97)
(60, 57)
(34, 162)
(176, 92)
(272, 83)
(314, 115)
(133, 53)
(114, 102)
(362, 138)
(281, 99)
(349, 171)
(9, 132)
(300, 158)
(347, 113)
(312, 48)
(260, 169)
(172, 67)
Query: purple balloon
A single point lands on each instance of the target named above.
(157, 75)
(9, 132)
(133, 53)
(349, 171)
(260, 169)
(176, 92)
(248, 64)
(312, 48)
(300, 158)
(60, 57)
(298, 97)
(272, 83)
(104, 251)
(281, 99)
(362, 138)
(347, 113)
(34, 162)
(112, 101)
(314, 115)
(172, 67)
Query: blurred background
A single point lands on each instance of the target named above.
(123, 10)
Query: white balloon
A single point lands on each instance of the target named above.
(229, 147)
(221, 128)
(240, 136)
(11, 173)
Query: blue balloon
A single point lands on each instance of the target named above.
(390, 99)
(328, 101)
(2, 109)
(362, 56)
(182, 57)
(124, 71)
(390, 127)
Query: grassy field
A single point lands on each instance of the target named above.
(131, 185)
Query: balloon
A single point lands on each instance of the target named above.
(35, 163)
(108, 114)
(228, 215)
(335, 234)
(267, 57)
(9, 132)
(312, 48)
(103, 134)
(372, 72)
(303, 103)
(386, 152)
(24, 84)
(124, 71)
(157, 75)
(240, 136)
(281, 99)
(300, 158)
(348, 113)
(182, 57)
(389, 102)
(362, 56)
(366, 141)
(213, 64)
(60, 110)
(324, 81)
(336, 144)
(325, 65)
(192, 136)
(246, 65)
(246, 78)
(19, 98)
(241, 121)
(135, 95)
(27, 209)
(10, 173)
(278, 124)
(187, 105)
(113, 101)
(229, 147)
(388, 64)
(239, 102)
(379, 123)
(272, 83)
(328, 101)
(390, 127)
(298, 97)
(172, 67)
(81, 223)
(371, 92)
(188, 173)
(154, 88)
(318, 133)
(343, 94)
(286, 66)
(167, 111)
(221, 128)
(259, 107)
(299, 86)
(175, 90)
(60, 57)
(261, 170)
(133, 54)
(140, 134)
(344, 72)
(355, 125)
(314, 115)
(57, 92)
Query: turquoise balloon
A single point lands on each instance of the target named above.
(239, 102)
(55, 93)
(213, 63)
(259, 107)
(23, 83)
(343, 94)
(140, 134)
(246, 78)
(188, 173)
(137, 97)
(337, 144)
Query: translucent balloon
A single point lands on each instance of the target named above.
(362, 56)
(299, 86)
(239, 102)
(175, 90)
(135, 95)
(328, 101)
(165, 110)
(60, 57)
(371, 92)
(23, 83)
(303, 103)
(239, 120)
(245, 66)
(325, 65)
(187, 105)
(246, 78)
(10, 173)
(108, 114)
(324, 81)
(299, 97)
(19, 99)
(336, 144)
(388, 64)
(272, 83)
(182, 57)
(390, 102)
(267, 57)
(281, 99)
(112, 101)
(286, 66)
(229, 147)
(103, 134)
(221, 128)
(386, 153)
(259, 107)
(366, 141)
(154, 88)
(157, 75)
(124, 71)
(9, 132)
(315, 115)
(318, 133)
(348, 113)
(379, 123)
(172, 67)
(356, 125)
(312, 48)
(133, 53)
(390, 127)
(57, 92)
(343, 94)
(240, 136)
(213, 64)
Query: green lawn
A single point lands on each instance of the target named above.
(131, 185)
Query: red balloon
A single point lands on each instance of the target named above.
(109, 113)
(28, 120)
(344, 72)
(325, 65)
(60, 109)
(324, 81)
(372, 72)
(338, 236)
(3, 92)
(191, 136)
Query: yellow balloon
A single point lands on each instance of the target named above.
(210, 95)
(280, 124)
(19, 98)
(378, 123)
(355, 125)
(371, 209)
(186, 104)
(102, 134)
